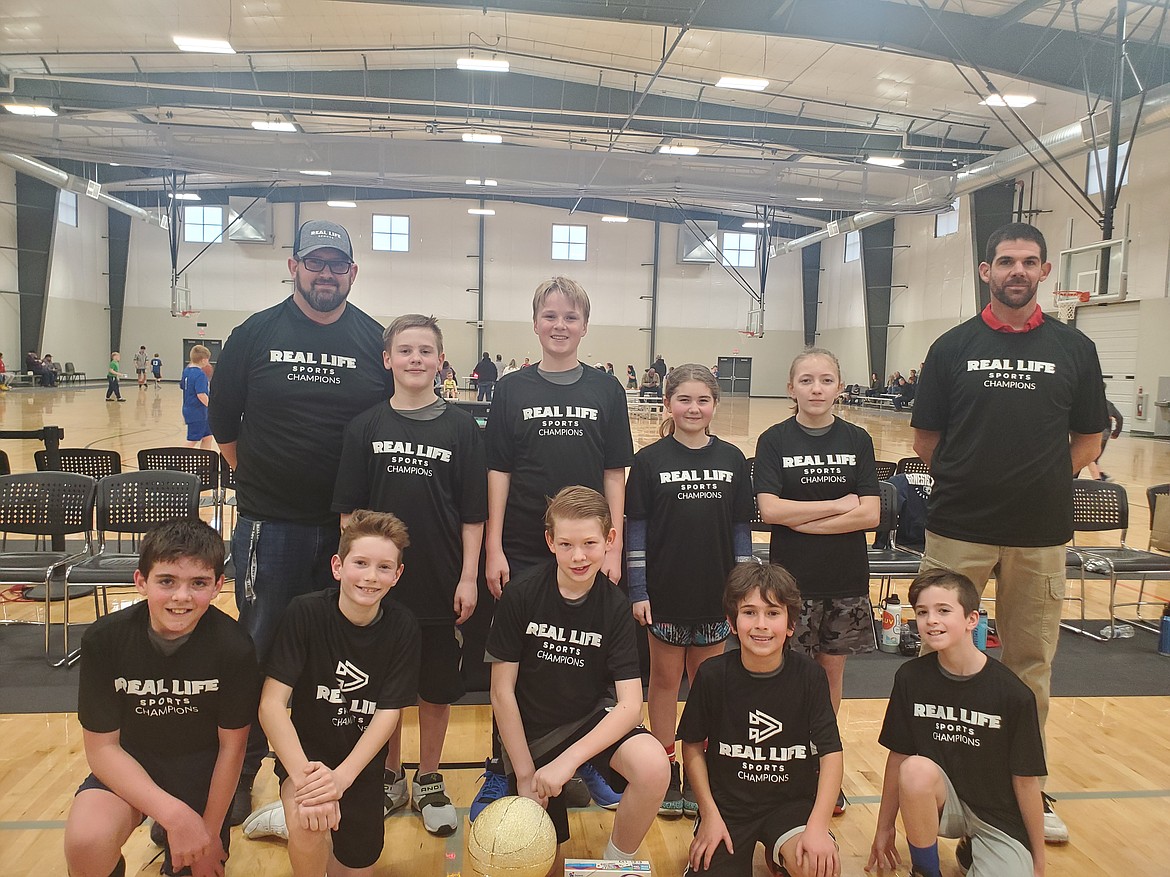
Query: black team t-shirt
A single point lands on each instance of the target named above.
(549, 436)
(1005, 403)
(765, 733)
(981, 730)
(298, 383)
(431, 474)
(341, 673)
(168, 709)
(792, 464)
(691, 499)
(569, 653)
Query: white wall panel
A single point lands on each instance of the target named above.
(9, 302)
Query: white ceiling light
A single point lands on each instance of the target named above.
(195, 44)
(755, 225)
(481, 182)
(185, 196)
(743, 83)
(481, 211)
(812, 199)
(30, 110)
(485, 65)
(317, 173)
(341, 203)
(477, 137)
(1008, 100)
(287, 127)
(885, 161)
(671, 149)
(615, 219)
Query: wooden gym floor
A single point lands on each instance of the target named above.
(1107, 755)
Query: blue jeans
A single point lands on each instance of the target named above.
(484, 391)
(276, 561)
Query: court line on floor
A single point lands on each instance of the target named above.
(454, 840)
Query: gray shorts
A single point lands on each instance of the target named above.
(994, 852)
(835, 626)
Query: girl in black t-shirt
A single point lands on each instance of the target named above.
(688, 508)
(816, 484)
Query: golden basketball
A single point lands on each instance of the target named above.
(511, 837)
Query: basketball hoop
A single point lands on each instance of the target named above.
(1067, 301)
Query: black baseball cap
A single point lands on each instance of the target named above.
(317, 234)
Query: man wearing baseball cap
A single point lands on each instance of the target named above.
(287, 382)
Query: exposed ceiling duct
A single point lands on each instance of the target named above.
(49, 174)
(1062, 143)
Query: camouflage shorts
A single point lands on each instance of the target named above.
(836, 626)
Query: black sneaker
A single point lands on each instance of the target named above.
(672, 804)
(575, 793)
(963, 854)
(241, 801)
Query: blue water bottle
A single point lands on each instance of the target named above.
(979, 634)
(1164, 633)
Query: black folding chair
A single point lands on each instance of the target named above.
(5, 466)
(200, 462)
(1100, 506)
(47, 505)
(94, 462)
(128, 505)
(885, 469)
(757, 523)
(1152, 494)
(911, 464)
(890, 562)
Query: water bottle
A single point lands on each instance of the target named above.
(1117, 631)
(1164, 632)
(979, 634)
(891, 624)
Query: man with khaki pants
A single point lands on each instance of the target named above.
(1010, 405)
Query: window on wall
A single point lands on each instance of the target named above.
(852, 246)
(1099, 161)
(202, 225)
(568, 242)
(739, 250)
(391, 233)
(67, 208)
(947, 223)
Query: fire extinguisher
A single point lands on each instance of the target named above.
(1141, 404)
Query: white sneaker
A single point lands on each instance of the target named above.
(1055, 831)
(268, 821)
(429, 797)
(395, 794)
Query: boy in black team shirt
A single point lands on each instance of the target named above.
(551, 426)
(348, 663)
(760, 740)
(563, 633)
(167, 691)
(422, 459)
(965, 753)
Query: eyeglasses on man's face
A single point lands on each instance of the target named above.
(337, 266)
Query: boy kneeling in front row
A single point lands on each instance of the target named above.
(760, 740)
(166, 695)
(965, 752)
(562, 634)
(348, 661)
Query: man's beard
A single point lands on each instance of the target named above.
(1011, 300)
(322, 298)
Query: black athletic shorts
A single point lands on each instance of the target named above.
(772, 829)
(439, 677)
(358, 840)
(92, 782)
(557, 811)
